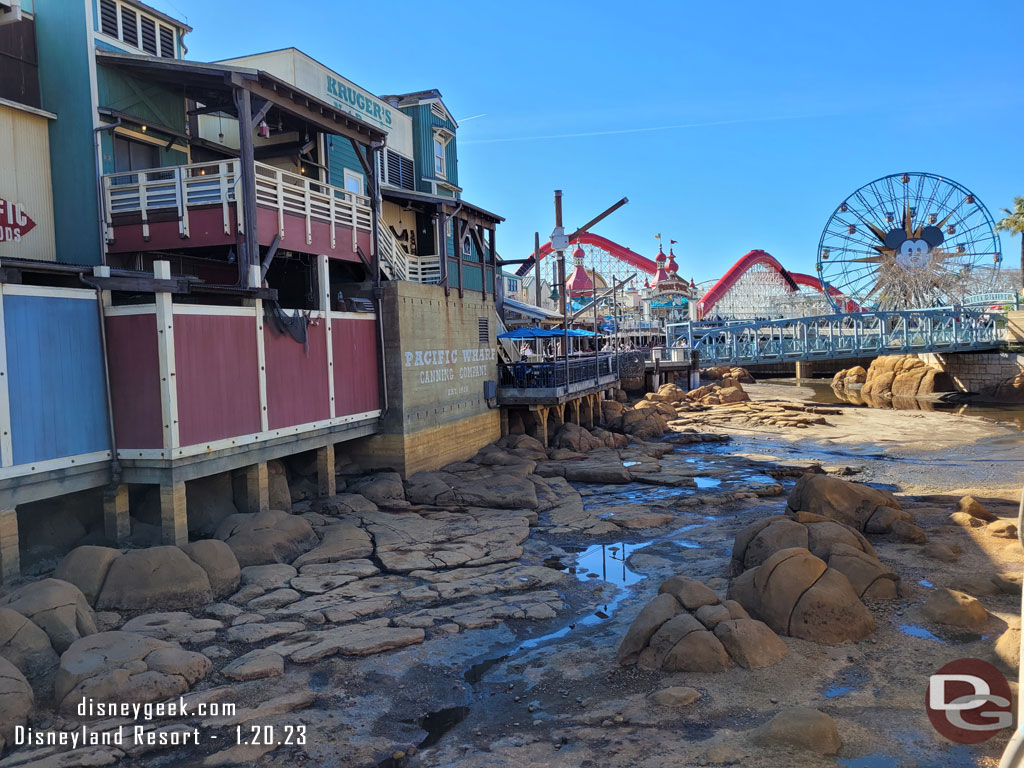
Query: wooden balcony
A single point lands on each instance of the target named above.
(200, 205)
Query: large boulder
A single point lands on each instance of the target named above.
(497, 490)
(221, 566)
(903, 376)
(86, 567)
(870, 579)
(126, 667)
(686, 628)
(957, 609)
(797, 594)
(974, 508)
(159, 577)
(341, 541)
(800, 727)
(25, 645)
(16, 700)
(273, 536)
(575, 438)
(57, 607)
(381, 488)
(858, 506)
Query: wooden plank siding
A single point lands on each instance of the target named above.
(55, 379)
(135, 380)
(356, 377)
(296, 377)
(217, 377)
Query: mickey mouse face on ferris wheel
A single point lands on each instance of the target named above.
(913, 253)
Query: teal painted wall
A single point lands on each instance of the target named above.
(423, 123)
(341, 156)
(63, 48)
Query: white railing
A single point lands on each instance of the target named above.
(393, 259)
(177, 188)
(425, 269)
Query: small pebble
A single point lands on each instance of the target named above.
(606, 723)
(620, 719)
(398, 756)
(773, 700)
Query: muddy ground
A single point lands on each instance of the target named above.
(552, 694)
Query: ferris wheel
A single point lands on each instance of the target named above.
(910, 240)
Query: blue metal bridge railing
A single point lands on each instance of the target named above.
(830, 337)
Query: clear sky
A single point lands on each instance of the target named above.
(729, 125)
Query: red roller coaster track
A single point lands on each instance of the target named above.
(752, 259)
(621, 252)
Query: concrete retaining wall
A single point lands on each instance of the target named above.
(971, 371)
(437, 362)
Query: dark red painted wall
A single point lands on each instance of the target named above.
(206, 228)
(297, 391)
(218, 380)
(320, 232)
(355, 366)
(135, 381)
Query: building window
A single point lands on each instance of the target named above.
(467, 247)
(513, 285)
(353, 182)
(132, 155)
(135, 28)
(439, 164)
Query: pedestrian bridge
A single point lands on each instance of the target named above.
(836, 336)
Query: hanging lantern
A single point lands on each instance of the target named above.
(554, 293)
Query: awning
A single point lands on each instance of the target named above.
(405, 195)
(531, 311)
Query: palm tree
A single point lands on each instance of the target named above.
(1014, 224)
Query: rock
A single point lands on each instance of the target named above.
(1007, 650)
(1002, 529)
(712, 615)
(651, 617)
(174, 625)
(939, 551)
(762, 538)
(736, 611)
(958, 609)
(964, 520)
(575, 438)
(732, 395)
(273, 576)
(1009, 582)
(259, 632)
(974, 508)
(56, 607)
(692, 594)
(266, 537)
(802, 728)
(25, 645)
(381, 488)
(358, 639)
(158, 577)
(343, 504)
(666, 638)
(255, 665)
(698, 651)
(907, 531)
(868, 577)
(751, 643)
(796, 593)
(675, 696)
(125, 667)
(635, 516)
(341, 541)
(216, 558)
(16, 700)
(850, 503)
(86, 567)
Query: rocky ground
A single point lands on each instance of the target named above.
(475, 616)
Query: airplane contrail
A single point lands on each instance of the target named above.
(474, 117)
(649, 129)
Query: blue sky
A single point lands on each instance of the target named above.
(730, 126)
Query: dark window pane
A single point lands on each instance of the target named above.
(166, 42)
(108, 17)
(148, 35)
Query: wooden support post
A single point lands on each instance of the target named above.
(249, 253)
(574, 412)
(10, 552)
(257, 487)
(504, 422)
(325, 485)
(117, 525)
(804, 369)
(173, 513)
(542, 425)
